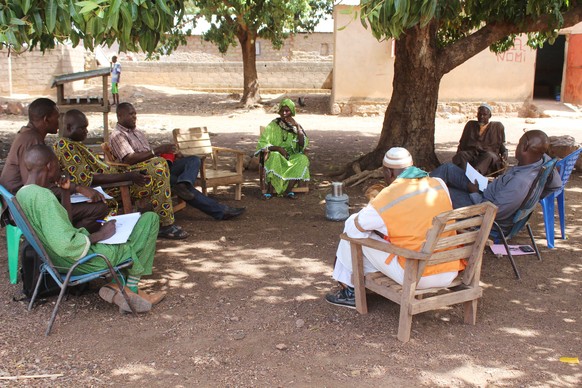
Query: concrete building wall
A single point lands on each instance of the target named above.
(364, 69)
(32, 71)
(508, 76)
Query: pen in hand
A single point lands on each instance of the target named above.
(101, 221)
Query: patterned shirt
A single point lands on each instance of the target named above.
(126, 141)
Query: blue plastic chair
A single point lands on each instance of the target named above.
(565, 166)
(63, 276)
(521, 217)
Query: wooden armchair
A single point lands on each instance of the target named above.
(196, 141)
(177, 203)
(472, 225)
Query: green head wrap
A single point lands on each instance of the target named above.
(413, 173)
(289, 104)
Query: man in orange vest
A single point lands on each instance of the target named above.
(402, 213)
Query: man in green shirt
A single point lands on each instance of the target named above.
(66, 244)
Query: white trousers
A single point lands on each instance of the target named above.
(375, 260)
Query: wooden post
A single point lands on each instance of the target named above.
(105, 110)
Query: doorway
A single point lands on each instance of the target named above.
(549, 69)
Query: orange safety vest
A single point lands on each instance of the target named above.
(407, 208)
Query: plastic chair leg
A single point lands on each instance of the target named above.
(13, 234)
(561, 211)
(548, 211)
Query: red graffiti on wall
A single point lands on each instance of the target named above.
(515, 54)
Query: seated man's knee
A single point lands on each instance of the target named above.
(489, 156)
(151, 217)
(194, 162)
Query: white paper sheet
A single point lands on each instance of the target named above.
(473, 175)
(78, 198)
(123, 227)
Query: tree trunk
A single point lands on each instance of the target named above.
(247, 42)
(409, 118)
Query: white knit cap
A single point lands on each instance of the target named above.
(397, 157)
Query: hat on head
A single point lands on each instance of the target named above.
(397, 157)
(486, 106)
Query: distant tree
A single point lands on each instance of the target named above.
(137, 25)
(245, 21)
(432, 38)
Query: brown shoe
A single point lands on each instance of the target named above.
(154, 298)
(139, 304)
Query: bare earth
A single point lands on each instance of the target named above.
(245, 297)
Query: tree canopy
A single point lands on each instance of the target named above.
(432, 38)
(137, 25)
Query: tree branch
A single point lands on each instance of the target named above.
(460, 51)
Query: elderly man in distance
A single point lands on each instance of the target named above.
(482, 144)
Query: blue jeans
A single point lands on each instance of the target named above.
(456, 180)
(185, 170)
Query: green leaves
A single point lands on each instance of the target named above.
(51, 15)
(135, 24)
(457, 19)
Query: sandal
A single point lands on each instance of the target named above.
(110, 293)
(173, 232)
(267, 196)
(291, 195)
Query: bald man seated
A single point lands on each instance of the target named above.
(508, 191)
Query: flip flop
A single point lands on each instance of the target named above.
(267, 196)
(291, 195)
(173, 232)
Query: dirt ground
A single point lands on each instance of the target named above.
(245, 300)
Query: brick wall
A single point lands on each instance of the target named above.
(316, 47)
(304, 62)
(228, 75)
(32, 71)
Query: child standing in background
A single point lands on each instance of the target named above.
(115, 78)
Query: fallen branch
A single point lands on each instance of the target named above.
(23, 377)
(358, 178)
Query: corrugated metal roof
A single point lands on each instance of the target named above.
(61, 79)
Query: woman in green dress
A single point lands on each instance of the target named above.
(285, 140)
